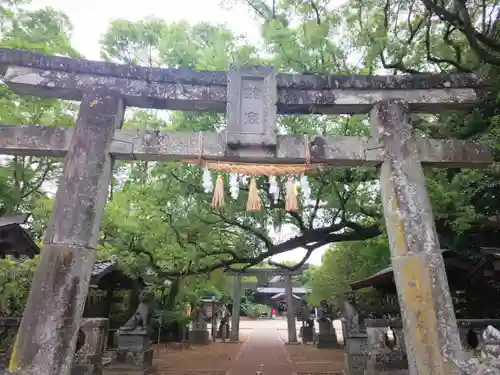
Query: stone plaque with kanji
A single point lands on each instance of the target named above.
(251, 106)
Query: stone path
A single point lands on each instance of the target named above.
(265, 352)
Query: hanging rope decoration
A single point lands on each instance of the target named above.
(238, 173)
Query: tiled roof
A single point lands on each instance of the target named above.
(103, 267)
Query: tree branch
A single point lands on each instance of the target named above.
(303, 261)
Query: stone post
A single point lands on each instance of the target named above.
(134, 354)
(235, 317)
(290, 316)
(387, 353)
(356, 353)
(429, 322)
(46, 340)
(88, 360)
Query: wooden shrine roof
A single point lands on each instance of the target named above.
(106, 275)
(16, 241)
(457, 266)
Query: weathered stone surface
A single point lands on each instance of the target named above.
(388, 362)
(384, 358)
(130, 362)
(356, 357)
(189, 76)
(295, 95)
(47, 335)
(235, 314)
(96, 335)
(132, 340)
(348, 151)
(35, 140)
(430, 326)
(350, 101)
(251, 106)
(46, 340)
(142, 359)
(89, 359)
(134, 353)
(76, 217)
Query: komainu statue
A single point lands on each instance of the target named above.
(141, 318)
(200, 317)
(351, 314)
(325, 318)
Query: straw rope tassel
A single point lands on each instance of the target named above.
(218, 198)
(253, 203)
(291, 203)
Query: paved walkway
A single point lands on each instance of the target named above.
(265, 352)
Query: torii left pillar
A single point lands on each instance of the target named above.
(46, 340)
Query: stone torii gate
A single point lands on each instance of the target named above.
(262, 274)
(252, 96)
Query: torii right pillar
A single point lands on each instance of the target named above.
(429, 322)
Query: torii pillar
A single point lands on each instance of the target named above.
(429, 322)
(46, 340)
(235, 314)
(290, 316)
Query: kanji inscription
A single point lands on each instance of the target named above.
(251, 118)
(252, 92)
(252, 106)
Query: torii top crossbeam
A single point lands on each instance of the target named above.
(187, 89)
(268, 272)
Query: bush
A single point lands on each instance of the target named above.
(255, 310)
(15, 282)
(171, 325)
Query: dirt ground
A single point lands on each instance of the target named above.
(309, 353)
(263, 349)
(213, 359)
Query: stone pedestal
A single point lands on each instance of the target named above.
(199, 337)
(386, 356)
(85, 369)
(88, 360)
(223, 331)
(393, 363)
(327, 338)
(327, 341)
(356, 357)
(307, 334)
(134, 355)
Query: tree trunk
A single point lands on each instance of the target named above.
(173, 292)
